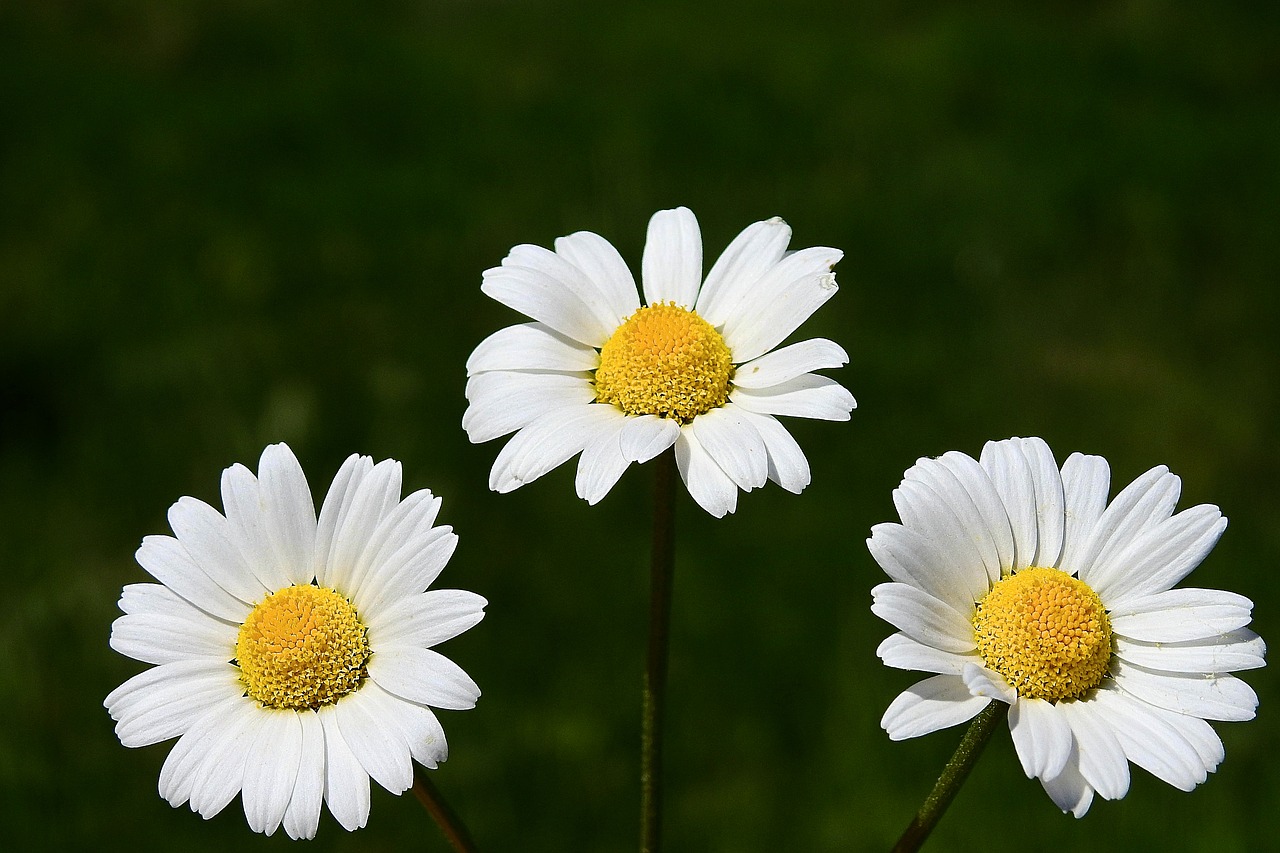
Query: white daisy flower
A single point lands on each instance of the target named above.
(1017, 582)
(293, 657)
(696, 367)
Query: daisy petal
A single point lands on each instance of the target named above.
(178, 775)
(1159, 556)
(335, 507)
(402, 533)
(220, 775)
(415, 724)
(709, 486)
(1240, 649)
(245, 511)
(1145, 502)
(1011, 474)
(1041, 737)
(167, 700)
(601, 263)
(733, 444)
(289, 515)
(1049, 500)
(982, 492)
(1101, 758)
(788, 466)
(531, 346)
(413, 568)
(1222, 697)
(643, 438)
(602, 462)
(207, 537)
(167, 561)
(783, 298)
(806, 396)
(969, 557)
(427, 619)
(984, 682)
(546, 443)
(672, 263)
(164, 639)
(922, 617)
(901, 652)
(739, 267)
(502, 402)
(935, 703)
(1069, 790)
(302, 817)
(783, 365)
(271, 773)
(376, 495)
(1180, 614)
(909, 557)
(540, 284)
(1149, 741)
(1086, 481)
(378, 747)
(346, 784)
(423, 676)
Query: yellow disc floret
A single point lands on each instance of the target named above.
(302, 647)
(1046, 632)
(665, 360)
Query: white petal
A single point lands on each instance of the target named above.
(1041, 737)
(168, 700)
(644, 437)
(984, 682)
(784, 297)
(1216, 697)
(1050, 504)
(708, 485)
(788, 466)
(302, 817)
(371, 500)
(1199, 734)
(1069, 790)
(922, 617)
(1086, 482)
(601, 263)
(1145, 502)
(427, 619)
(1241, 649)
(807, 396)
(751, 254)
(167, 561)
(153, 638)
(417, 727)
(502, 402)
(245, 510)
(1159, 556)
(289, 514)
(974, 479)
(907, 556)
(374, 743)
(346, 784)
(785, 364)
(207, 537)
(901, 652)
(531, 346)
(220, 774)
(602, 462)
(540, 284)
(927, 706)
(423, 676)
(1180, 614)
(403, 532)
(336, 505)
(546, 443)
(1148, 740)
(178, 775)
(271, 772)
(409, 571)
(968, 554)
(733, 443)
(672, 264)
(1102, 760)
(1011, 475)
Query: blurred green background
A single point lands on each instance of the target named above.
(227, 224)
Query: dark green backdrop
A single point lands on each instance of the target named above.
(224, 224)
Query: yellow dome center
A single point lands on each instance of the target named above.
(302, 647)
(1046, 632)
(665, 360)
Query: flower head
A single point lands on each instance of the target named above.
(1018, 582)
(292, 655)
(696, 367)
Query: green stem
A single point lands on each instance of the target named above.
(653, 695)
(953, 776)
(446, 818)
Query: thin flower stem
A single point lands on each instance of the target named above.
(446, 818)
(953, 776)
(653, 696)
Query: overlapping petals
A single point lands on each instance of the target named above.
(380, 552)
(537, 379)
(968, 523)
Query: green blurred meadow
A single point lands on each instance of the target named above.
(228, 224)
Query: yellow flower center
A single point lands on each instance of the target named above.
(1046, 632)
(665, 360)
(302, 647)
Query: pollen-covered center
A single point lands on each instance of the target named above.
(302, 647)
(1046, 632)
(665, 360)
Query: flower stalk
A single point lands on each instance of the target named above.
(953, 776)
(653, 695)
(444, 816)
